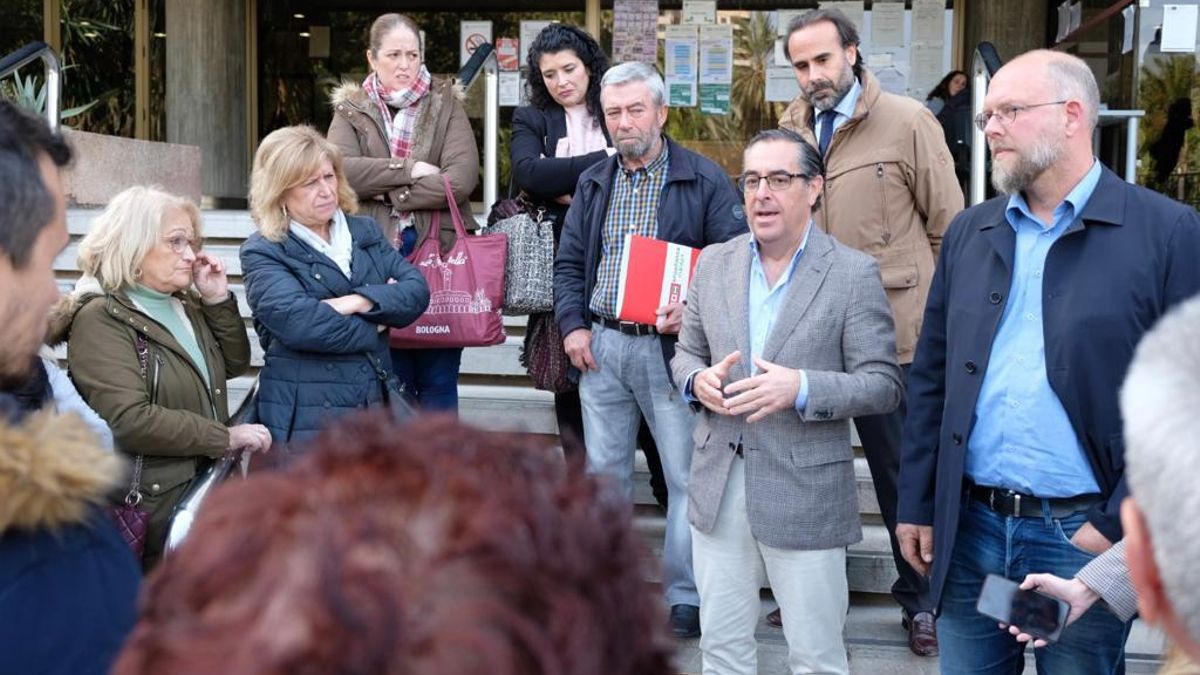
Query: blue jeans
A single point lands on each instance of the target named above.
(990, 543)
(430, 376)
(632, 382)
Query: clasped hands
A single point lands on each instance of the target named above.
(772, 389)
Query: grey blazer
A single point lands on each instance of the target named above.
(835, 324)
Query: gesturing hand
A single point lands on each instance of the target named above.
(773, 389)
(208, 273)
(707, 385)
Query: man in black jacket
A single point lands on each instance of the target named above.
(655, 188)
(1012, 458)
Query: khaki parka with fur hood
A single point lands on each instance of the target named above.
(442, 136)
(183, 425)
(68, 583)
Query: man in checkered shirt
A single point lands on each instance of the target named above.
(655, 188)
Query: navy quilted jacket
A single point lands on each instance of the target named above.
(315, 364)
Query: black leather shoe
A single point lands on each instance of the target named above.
(685, 621)
(922, 633)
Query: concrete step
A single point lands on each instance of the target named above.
(877, 645)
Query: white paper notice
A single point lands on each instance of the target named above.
(1076, 16)
(1179, 28)
(699, 11)
(925, 62)
(510, 89)
(928, 21)
(853, 11)
(781, 58)
(1064, 21)
(887, 24)
(716, 54)
(781, 85)
(680, 52)
(529, 31)
(784, 17)
(471, 35)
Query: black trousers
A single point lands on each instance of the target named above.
(880, 435)
(569, 412)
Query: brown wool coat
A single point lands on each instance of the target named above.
(442, 137)
(890, 191)
(185, 424)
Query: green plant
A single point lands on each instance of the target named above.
(30, 93)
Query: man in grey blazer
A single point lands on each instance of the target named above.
(786, 335)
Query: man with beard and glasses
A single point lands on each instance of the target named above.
(890, 191)
(1012, 459)
(655, 188)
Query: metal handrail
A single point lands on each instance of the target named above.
(985, 62)
(40, 50)
(484, 61)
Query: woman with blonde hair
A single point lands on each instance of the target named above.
(154, 333)
(324, 287)
(400, 131)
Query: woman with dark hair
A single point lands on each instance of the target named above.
(950, 102)
(954, 82)
(554, 140)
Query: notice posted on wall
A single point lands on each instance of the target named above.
(508, 54)
(472, 34)
(635, 31)
(510, 89)
(781, 85)
(679, 51)
(716, 54)
(529, 32)
(714, 99)
(699, 12)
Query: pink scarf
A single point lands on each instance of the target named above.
(399, 126)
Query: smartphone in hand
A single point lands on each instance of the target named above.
(1035, 613)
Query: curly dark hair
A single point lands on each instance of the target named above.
(559, 37)
(425, 548)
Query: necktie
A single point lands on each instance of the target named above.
(826, 118)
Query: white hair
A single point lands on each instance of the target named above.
(1160, 406)
(636, 71)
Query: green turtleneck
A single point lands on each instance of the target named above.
(159, 307)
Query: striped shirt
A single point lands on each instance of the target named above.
(632, 209)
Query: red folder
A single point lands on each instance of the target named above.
(653, 273)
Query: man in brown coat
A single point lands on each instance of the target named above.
(890, 191)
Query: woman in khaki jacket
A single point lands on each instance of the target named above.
(154, 333)
(398, 131)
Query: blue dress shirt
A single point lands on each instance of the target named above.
(1022, 439)
(844, 109)
(762, 304)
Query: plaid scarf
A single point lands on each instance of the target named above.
(399, 126)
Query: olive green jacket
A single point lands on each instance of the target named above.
(184, 424)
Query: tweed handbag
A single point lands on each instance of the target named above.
(529, 265)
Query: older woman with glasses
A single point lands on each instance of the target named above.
(324, 287)
(154, 333)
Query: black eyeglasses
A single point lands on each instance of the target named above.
(776, 181)
(1007, 113)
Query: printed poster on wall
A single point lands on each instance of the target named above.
(508, 54)
(699, 12)
(472, 34)
(716, 54)
(635, 31)
(529, 32)
(714, 99)
(510, 89)
(679, 52)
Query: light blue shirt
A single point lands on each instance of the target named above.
(762, 304)
(844, 109)
(1023, 439)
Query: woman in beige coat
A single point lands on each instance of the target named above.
(399, 131)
